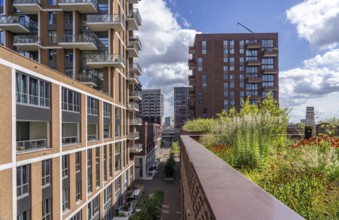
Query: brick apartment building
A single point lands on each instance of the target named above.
(67, 135)
(181, 106)
(229, 67)
(148, 146)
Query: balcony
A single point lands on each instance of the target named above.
(135, 68)
(191, 94)
(273, 53)
(133, 1)
(135, 148)
(253, 62)
(31, 136)
(136, 95)
(70, 133)
(28, 6)
(191, 50)
(229, 196)
(133, 78)
(253, 45)
(133, 135)
(133, 46)
(133, 19)
(135, 121)
(270, 71)
(133, 106)
(83, 6)
(99, 22)
(191, 64)
(85, 41)
(107, 131)
(269, 88)
(92, 79)
(191, 80)
(27, 42)
(99, 61)
(17, 24)
(254, 79)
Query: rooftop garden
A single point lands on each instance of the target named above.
(303, 174)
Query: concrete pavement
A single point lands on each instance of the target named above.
(171, 204)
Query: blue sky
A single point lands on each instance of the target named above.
(308, 45)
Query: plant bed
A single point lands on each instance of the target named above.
(303, 175)
(149, 207)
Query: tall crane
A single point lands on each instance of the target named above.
(245, 27)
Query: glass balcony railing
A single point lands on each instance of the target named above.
(26, 2)
(106, 18)
(27, 145)
(113, 58)
(135, 42)
(136, 121)
(133, 135)
(23, 21)
(92, 137)
(133, 105)
(136, 148)
(79, 2)
(26, 39)
(135, 67)
(134, 13)
(70, 140)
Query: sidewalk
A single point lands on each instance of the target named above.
(171, 204)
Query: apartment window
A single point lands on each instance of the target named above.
(105, 163)
(117, 156)
(204, 112)
(78, 191)
(267, 45)
(65, 199)
(203, 47)
(52, 37)
(225, 59)
(265, 93)
(52, 2)
(89, 170)
(107, 110)
(267, 63)
(199, 64)
(65, 165)
(51, 18)
(92, 106)
(70, 100)
(225, 52)
(77, 161)
(232, 68)
(231, 60)
(22, 181)
(69, 72)
(68, 18)
(24, 215)
(241, 60)
(225, 43)
(241, 50)
(117, 122)
(242, 94)
(204, 80)
(117, 186)
(110, 160)
(46, 172)
(69, 57)
(97, 166)
(46, 209)
(226, 105)
(241, 43)
(107, 194)
(76, 216)
(252, 89)
(199, 97)
(241, 68)
(268, 80)
(32, 91)
(52, 55)
(93, 208)
(251, 53)
(232, 51)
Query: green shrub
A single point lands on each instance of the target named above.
(199, 125)
(150, 207)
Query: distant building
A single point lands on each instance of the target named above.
(169, 135)
(152, 105)
(181, 110)
(169, 122)
(227, 68)
(146, 149)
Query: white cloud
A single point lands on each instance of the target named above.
(317, 21)
(165, 49)
(316, 83)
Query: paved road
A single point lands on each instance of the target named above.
(171, 204)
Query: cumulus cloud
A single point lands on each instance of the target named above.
(165, 49)
(317, 21)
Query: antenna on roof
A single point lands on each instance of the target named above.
(245, 27)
